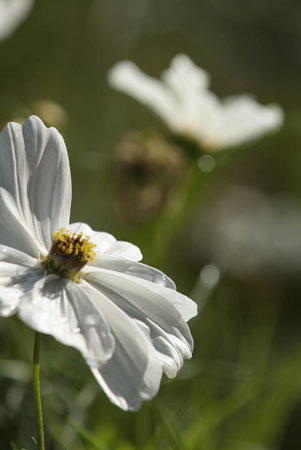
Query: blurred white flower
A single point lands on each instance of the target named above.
(184, 102)
(126, 318)
(12, 13)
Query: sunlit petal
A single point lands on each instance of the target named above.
(64, 310)
(34, 170)
(133, 374)
(161, 320)
(18, 273)
(135, 269)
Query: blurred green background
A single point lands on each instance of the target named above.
(233, 244)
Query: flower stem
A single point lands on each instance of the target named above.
(37, 393)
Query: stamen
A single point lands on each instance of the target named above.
(69, 253)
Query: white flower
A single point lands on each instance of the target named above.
(126, 318)
(12, 13)
(184, 102)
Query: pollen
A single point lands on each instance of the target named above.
(69, 253)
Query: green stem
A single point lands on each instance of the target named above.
(37, 393)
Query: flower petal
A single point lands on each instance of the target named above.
(18, 273)
(14, 231)
(12, 13)
(128, 78)
(149, 273)
(126, 250)
(136, 269)
(159, 282)
(171, 350)
(13, 256)
(160, 320)
(106, 244)
(244, 119)
(64, 310)
(183, 75)
(133, 374)
(34, 171)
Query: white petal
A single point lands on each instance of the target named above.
(141, 296)
(133, 374)
(13, 256)
(171, 350)
(18, 273)
(152, 308)
(92, 324)
(159, 282)
(106, 244)
(14, 231)
(12, 13)
(64, 310)
(183, 74)
(102, 240)
(9, 300)
(244, 119)
(128, 78)
(34, 170)
(126, 250)
(149, 273)
(136, 269)
(201, 115)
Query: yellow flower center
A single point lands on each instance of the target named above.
(69, 253)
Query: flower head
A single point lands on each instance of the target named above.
(12, 13)
(184, 102)
(69, 253)
(83, 287)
